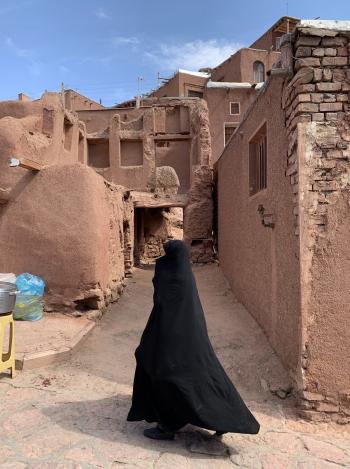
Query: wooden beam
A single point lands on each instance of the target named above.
(26, 164)
(4, 196)
(172, 137)
(149, 200)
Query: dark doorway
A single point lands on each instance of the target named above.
(153, 226)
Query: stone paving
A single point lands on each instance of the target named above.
(72, 415)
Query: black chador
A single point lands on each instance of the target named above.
(178, 378)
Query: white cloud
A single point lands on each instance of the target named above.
(120, 40)
(63, 69)
(15, 49)
(12, 7)
(34, 67)
(193, 55)
(101, 14)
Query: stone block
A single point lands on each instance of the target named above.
(303, 51)
(314, 416)
(327, 186)
(331, 107)
(342, 51)
(308, 41)
(312, 396)
(327, 407)
(328, 74)
(326, 164)
(307, 107)
(331, 116)
(327, 87)
(318, 116)
(305, 88)
(330, 51)
(303, 76)
(318, 52)
(333, 41)
(335, 154)
(317, 97)
(308, 62)
(329, 98)
(301, 98)
(318, 74)
(342, 98)
(318, 32)
(338, 74)
(334, 61)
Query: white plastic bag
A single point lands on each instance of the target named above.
(10, 278)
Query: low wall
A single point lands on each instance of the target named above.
(66, 226)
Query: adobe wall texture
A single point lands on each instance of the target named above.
(63, 222)
(56, 226)
(75, 101)
(261, 263)
(164, 133)
(40, 130)
(218, 100)
(316, 101)
(295, 279)
(179, 86)
(72, 222)
(239, 67)
(130, 145)
(170, 88)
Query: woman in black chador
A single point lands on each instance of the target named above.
(178, 378)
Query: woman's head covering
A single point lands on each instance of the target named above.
(176, 249)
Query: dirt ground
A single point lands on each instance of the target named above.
(73, 415)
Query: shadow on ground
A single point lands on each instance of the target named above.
(105, 419)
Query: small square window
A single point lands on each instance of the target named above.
(235, 108)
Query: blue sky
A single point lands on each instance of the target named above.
(101, 47)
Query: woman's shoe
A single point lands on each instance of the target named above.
(157, 433)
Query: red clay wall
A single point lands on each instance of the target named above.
(239, 67)
(316, 102)
(169, 89)
(57, 225)
(229, 70)
(260, 263)
(39, 130)
(75, 101)
(218, 100)
(179, 85)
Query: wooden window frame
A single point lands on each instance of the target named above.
(257, 64)
(239, 108)
(229, 124)
(199, 91)
(258, 159)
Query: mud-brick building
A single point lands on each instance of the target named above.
(284, 213)
(231, 87)
(141, 149)
(98, 191)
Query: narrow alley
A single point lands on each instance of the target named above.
(73, 415)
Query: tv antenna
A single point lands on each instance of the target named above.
(139, 85)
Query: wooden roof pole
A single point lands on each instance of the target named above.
(26, 164)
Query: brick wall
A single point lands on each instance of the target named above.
(316, 104)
